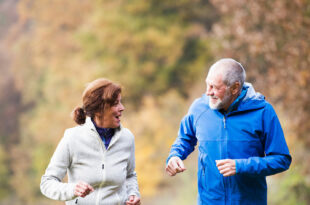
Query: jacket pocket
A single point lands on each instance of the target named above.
(201, 174)
(72, 202)
(210, 184)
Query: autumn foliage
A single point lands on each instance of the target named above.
(160, 52)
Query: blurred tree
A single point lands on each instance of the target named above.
(154, 135)
(4, 173)
(150, 46)
(10, 101)
(44, 65)
(158, 51)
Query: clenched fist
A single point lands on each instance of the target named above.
(174, 166)
(82, 189)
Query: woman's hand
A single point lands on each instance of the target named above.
(133, 200)
(82, 189)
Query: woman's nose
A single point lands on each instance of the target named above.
(121, 108)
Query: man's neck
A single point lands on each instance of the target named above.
(230, 102)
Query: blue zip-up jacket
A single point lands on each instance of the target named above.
(250, 133)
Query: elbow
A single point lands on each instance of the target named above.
(43, 186)
(286, 162)
(42, 189)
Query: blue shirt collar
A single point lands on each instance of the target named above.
(103, 131)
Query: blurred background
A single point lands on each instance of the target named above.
(160, 52)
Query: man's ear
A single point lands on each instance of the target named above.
(235, 88)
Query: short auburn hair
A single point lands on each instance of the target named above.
(96, 95)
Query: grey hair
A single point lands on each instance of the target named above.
(232, 71)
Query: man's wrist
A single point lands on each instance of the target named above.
(171, 157)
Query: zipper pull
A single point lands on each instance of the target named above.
(203, 167)
(224, 121)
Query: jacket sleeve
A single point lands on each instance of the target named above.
(277, 157)
(186, 140)
(51, 185)
(131, 179)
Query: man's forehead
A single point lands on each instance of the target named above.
(214, 78)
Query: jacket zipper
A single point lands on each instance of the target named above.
(119, 199)
(202, 165)
(202, 172)
(104, 150)
(225, 155)
(102, 167)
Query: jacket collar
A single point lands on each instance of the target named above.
(252, 100)
(90, 125)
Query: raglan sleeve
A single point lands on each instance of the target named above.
(51, 182)
(131, 178)
(277, 157)
(186, 141)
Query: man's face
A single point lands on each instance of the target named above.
(220, 95)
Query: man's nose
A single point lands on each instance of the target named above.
(209, 92)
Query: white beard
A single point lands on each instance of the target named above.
(220, 103)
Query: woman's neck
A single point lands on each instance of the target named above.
(99, 122)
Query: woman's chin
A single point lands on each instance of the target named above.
(116, 125)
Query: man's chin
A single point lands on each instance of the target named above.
(214, 106)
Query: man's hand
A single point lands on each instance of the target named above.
(82, 189)
(227, 167)
(174, 166)
(133, 200)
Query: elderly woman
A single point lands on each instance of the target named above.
(98, 154)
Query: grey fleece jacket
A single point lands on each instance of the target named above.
(82, 154)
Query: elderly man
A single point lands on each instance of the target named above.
(240, 139)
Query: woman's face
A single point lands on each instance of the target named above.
(112, 114)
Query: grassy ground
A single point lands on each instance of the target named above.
(180, 189)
